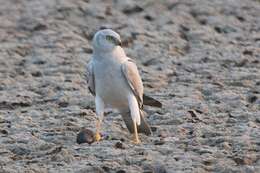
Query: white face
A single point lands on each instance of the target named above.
(106, 40)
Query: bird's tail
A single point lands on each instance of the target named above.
(142, 128)
(151, 101)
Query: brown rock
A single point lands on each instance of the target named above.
(85, 136)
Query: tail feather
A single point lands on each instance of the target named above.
(151, 101)
(142, 128)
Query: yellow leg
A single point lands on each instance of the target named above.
(97, 134)
(136, 137)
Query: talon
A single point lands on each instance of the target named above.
(97, 137)
(136, 141)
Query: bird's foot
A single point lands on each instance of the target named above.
(136, 140)
(97, 136)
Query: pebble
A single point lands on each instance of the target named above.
(85, 136)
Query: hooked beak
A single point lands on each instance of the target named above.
(118, 42)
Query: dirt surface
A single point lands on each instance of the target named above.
(200, 58)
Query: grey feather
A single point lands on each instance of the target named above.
(90, 78)
(142, 128)
(131, 74)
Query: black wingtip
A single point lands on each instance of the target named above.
(149, 101)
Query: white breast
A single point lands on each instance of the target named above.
(110, 84)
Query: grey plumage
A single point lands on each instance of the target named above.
(114, 80)
(142, 128)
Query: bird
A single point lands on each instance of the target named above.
(113, 79)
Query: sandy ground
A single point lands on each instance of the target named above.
(200, 58)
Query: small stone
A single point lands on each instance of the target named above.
(134, 9)
(240, 18)
(119, 145)
(39, 26)
(39, 62)
(36, 74)
(248, 52)
(105, 168)
(148, 17)
(4, 132)
(85, 136)
(252, 98)
(159, 142)
(242, 63)
(154, 129)
(63, 104)
(257, 119)
(224, 29)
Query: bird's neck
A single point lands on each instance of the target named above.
(116, 53)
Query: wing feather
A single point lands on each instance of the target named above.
(91, 78)
(134, 80)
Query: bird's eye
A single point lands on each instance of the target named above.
(109, 38)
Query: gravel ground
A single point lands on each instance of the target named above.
(200, 58)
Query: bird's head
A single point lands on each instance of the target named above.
(106, 40)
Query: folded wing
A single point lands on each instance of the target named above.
(90, 78)
(133, 78)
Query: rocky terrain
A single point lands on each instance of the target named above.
(200, 58)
